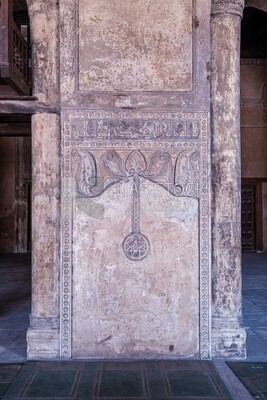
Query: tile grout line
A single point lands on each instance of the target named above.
(236, 389)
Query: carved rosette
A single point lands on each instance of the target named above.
(227, 7)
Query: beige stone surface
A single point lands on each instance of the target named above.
(135, 308)
(140, 45)
(45, 215)
(43, 333)
(111, 306)
(45, 56)
(228, 337)
(226, 166)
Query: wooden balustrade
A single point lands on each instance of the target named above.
(14, 52)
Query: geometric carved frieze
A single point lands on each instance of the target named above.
(127, 129)
(135, 126)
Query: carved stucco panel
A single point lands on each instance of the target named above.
(99, 193)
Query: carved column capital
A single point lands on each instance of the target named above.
(227, 7)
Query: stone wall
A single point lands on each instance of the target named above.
(122, 268)
(135, 180)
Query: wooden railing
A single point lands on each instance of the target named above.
(14, 53)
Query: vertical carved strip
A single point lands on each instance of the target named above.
(136, 245)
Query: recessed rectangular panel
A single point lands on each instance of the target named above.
(135, 293)
(135, 45)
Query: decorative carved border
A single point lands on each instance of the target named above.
(200, 142)
(66, 257)
(227, 7)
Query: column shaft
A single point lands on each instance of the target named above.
(228, 338)
(43, 334)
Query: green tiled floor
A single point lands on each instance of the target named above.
(253, 376)
(146, 380)
(7, 375)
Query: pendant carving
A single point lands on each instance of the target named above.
(180, 180)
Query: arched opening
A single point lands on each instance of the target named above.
(15, 180)
(254, 177)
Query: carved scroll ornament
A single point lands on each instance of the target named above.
(182, 180)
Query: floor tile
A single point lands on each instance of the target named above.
(7, 375)
(146, 380)
(253, 376)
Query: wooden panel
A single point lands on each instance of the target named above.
(248, 218)
(14, 53)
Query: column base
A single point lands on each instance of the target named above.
(229, 343)
(42, 345)
(43, 338)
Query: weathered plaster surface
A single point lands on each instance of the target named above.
(135, 45)
(226, 165)
(43, 334)
(169, 154)
(112, 306)
(46, 191)
(44, 41)
(123, 307)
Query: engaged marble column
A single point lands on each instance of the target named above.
(43, 334)
(228, 337)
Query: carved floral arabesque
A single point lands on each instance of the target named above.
(182, 180)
